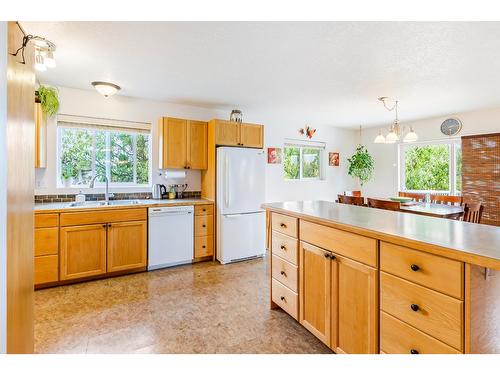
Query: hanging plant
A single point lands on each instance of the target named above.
(49, 99)
(361, 165)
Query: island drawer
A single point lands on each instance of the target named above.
(205, 209)
(284, 224)
(397, 337)
(46, 220)
(285, 247)
(286, 273)
(434, 313)
(46, 241)
(350, 245)
(435, 272)
(203, 225)
(285, 298)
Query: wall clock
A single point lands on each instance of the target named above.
(451, 126)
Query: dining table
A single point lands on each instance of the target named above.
(433, 209)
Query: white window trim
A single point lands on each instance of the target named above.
(112, 126)
(300, 144)
(452, 144)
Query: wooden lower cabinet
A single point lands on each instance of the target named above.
(354, 307)
(46, 269)
(127, 246)
(315, 291)
(82, 251)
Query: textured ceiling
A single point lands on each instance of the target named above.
(326, 73)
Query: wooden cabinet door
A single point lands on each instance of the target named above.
(227, 133)
(82, 251)
(315, 291)
(127, 245)
(355, 303)
(252, 135)
(174, 143)
(40, 137)
(197, 144)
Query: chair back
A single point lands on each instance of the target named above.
(383, 204)
(473, 212)
(356, 201)
(353, 193)
(416, 196)
(453, 200)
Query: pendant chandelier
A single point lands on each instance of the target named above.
(396, 131)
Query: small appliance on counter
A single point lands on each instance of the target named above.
(179, 190)
(159, 191)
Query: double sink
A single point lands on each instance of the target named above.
(124, 202)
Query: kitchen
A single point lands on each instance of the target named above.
(166, 225)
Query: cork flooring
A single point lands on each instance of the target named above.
(201, 308)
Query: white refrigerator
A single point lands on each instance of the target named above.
(241, 222)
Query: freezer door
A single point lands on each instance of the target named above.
(240, 180)
(240, 236)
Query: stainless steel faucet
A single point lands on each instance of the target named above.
(107, 194)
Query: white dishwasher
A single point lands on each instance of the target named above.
(170, 240)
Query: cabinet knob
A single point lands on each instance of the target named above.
(203, 246)
(283, 247)
(332, 257)
(109, 225)
(283, 273)
(282, 298)
(204, 209)
(104, 225)
(203, 225)
(414, 307)
(414, 351)
(327, 255)
(414, 267)
(283, 225)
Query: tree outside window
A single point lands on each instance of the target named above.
(302, 162)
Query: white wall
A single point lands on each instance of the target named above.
(277, 128)
(385, 181)
(92, 104)
(3, 187)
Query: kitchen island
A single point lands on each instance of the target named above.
(365, 280)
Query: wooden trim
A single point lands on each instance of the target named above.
(98, 217)
(467, 309)
(479, 135)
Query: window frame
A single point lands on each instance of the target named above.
(301, 146)
(452, 144)
(133, 132)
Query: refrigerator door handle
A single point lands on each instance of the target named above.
(226, 181)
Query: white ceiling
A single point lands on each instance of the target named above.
(325, 73)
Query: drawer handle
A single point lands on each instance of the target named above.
(283, 299)
(204, 226)
(203, 247)
(283, 247)
(414, 307)
(283, 225)
(414, 267)
(327, 255)
(414, 351)
(204, 209)
(283, 273)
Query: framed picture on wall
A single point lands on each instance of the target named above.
(273, 155)
(333, 159)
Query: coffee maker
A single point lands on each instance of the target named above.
(179, 190)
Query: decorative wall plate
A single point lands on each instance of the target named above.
(451, 126)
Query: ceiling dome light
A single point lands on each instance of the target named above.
(379, 138)
(40, 62)
(106, 88)
(392, 137)
(50, 62)
(411, 136)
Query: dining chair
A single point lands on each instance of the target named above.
(453, 200)
(383, 204)
(355, 201)
(353, 193)
(473, 212)
(416, 196)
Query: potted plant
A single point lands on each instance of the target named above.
(361, 165)
(67, 174)
(49, 99)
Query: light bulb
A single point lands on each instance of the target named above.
(379, 138)
(411, 136)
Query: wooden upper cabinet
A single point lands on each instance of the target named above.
(227, 133)
(355, 301)
(183, 143)
(315, 291)
(197, 144)
(127, 245)
(82, 251)
(251, 135)
(40, 137)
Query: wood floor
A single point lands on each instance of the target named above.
(203, 308)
